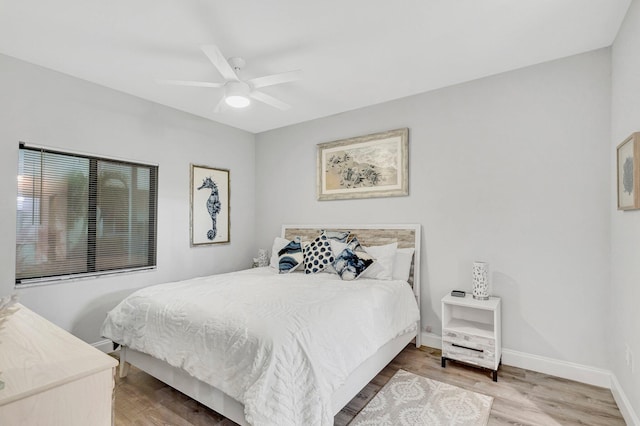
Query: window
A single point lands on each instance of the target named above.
(81, 215)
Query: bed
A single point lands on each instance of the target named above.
(312, 364)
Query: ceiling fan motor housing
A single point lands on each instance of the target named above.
(237, 63)
(236, 94)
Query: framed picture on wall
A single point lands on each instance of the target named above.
(209, 205)
(629, 173)
(375, 165)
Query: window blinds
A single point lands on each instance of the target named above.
(79, 215)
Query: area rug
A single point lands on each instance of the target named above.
(411, 400)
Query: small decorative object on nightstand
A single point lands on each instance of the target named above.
(481, 280)
(471, 332)
(261, 260)
(7, 308)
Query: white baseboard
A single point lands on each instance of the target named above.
(105, 346)
(431, 340)
(630, 417)
(566, 370)
(579, 373)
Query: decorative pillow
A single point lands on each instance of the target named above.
(278, 244)
(402, 264)
(336, 237)
(352, 261)
(290, 256)
(385, 257)
(341, 236)
(337, 247)
(317, 254)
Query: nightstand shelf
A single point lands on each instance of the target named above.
(470, 327)
(471, 332)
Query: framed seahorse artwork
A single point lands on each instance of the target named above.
(209, 205)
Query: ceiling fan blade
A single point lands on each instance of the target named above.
(220, 107)
(189, 83)
(219, 61)
(269, 100)
(271, 80)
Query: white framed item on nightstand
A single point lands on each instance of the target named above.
(472, 332)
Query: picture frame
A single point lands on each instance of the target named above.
(375, 165)
(209, 202)
(628, 172)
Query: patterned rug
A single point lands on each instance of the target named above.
(411, 400)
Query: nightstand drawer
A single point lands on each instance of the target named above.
(468, 340)
(469, 354)
(465, 347)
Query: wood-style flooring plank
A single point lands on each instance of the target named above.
(521, 397)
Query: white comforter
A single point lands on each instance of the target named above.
(280, 344)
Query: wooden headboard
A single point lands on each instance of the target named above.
(407, 236)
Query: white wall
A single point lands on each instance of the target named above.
(512, 169)
(43, 107)
(625, 226)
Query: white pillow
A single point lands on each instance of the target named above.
(385, 257)
(402, 264)
(278, 244)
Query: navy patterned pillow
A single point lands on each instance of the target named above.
(317, 254)
(290, 256)
(352, 261)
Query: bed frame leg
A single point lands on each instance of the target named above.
(123, 369)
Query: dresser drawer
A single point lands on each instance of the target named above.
(464, 347)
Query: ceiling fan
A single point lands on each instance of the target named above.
(238, 93)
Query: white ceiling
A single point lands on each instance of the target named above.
(353, 53)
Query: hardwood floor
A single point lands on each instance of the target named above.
(521, 397)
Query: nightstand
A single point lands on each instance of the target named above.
(471, 332)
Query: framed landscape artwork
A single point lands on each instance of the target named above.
(629, 173)
(209, 205)
(369, 166)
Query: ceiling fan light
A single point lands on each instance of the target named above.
(237, 101)
(237, 94)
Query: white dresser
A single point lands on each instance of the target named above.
(51, 377)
